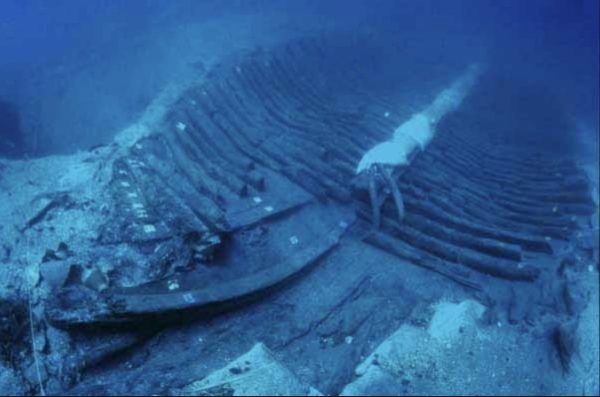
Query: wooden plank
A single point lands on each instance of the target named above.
(77, 306)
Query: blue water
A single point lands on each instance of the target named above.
(553, 42)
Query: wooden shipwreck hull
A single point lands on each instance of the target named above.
(269, 144)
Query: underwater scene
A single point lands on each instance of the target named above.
(299, 197)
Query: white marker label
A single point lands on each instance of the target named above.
(188, 298)
(173, 285)
(149, 229)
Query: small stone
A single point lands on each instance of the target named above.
(257, 199)
(268, 208)
(293, 240)
(54, 273)
(180, 126)
(348, 340)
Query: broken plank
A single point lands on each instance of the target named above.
(81, 308)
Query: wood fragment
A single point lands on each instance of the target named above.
(61, 200)
(390, 245)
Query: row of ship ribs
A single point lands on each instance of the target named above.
(273, 133)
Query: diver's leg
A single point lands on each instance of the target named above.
(374, 199)
(389, 178)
